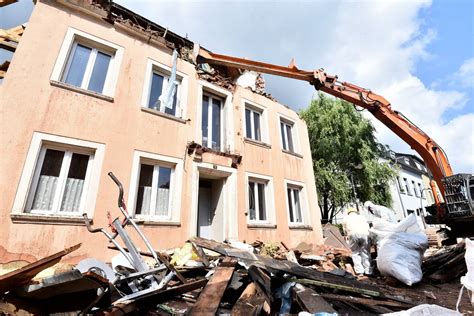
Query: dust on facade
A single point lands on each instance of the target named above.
(221, 160)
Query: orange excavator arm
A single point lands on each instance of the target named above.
(432, 153)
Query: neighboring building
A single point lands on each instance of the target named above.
(80, 99)
(410, 191)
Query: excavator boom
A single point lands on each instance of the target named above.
(433, 155)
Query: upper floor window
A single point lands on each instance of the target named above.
(212, 121)
(415, 188)
(287, 135)
(400, 186)
(59, 181)
(154, 190)
(156, 87)
(87, 67)
(420, 189)
(253, 123)
(88, 62)
(407, 187)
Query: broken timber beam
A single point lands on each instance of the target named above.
(24, 275)
(311, 302)
(337, 287)
(210, 297)
(248, 304)
(4, 3)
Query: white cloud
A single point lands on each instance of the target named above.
(373, 44)
(465, 74)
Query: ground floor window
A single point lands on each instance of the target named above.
(294, 204)
(154, 190)
(59, 181)
(257, 203)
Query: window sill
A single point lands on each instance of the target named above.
(151, 222)
(292, 153)
(165, 115)
(47, 219)
(261, 225)
(300, 227)
(257, 143)
(80, 90)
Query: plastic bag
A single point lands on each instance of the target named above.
(400, 249)
(426, 310)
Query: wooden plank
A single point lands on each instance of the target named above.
(311, 302)
(263, 282)
(337, 287)
(210, 297)
(248, 304)
(22, 276)
(366, 301)
(4, 3)
(201, 254)
(286, 266)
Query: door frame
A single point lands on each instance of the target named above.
(229, 194)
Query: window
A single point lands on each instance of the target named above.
(400, 186)
(294, 204)
(87, 67)
(420, 189)
(253, 123)
(157, 83)
(211, 124)
(287, 139)
(88, 63)
(155, 187)
(59, 182)
(415, 188)
(407, 187)
(257, 203)
(406, 160)
(154, 191)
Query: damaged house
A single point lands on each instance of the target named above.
(202, 151)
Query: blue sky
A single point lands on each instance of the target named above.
(453, 23)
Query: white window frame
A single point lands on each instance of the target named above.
(415, 188)
(176, 184)
(294, 131)
(262, 110)
(71, 39)
(305, 219)
(227, 114)
(30, 174)
(269, 198)
(420, 188)
(213, 97)
(154, 66)
(407, 186)
(58, 196)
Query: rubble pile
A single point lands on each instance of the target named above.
(446, 264)
(208, 277)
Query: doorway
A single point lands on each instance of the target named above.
(210, 223)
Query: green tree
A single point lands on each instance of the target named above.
(345, 156)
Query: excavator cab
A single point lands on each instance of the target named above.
(459, 195)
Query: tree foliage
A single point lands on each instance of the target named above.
(344, 149)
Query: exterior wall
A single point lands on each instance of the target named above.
(405, 201)
(31, 104)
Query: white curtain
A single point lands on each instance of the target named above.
(72, 195)
(162, 202)
(44, 194)
(145, 210)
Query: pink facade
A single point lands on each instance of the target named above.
(60, 141)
